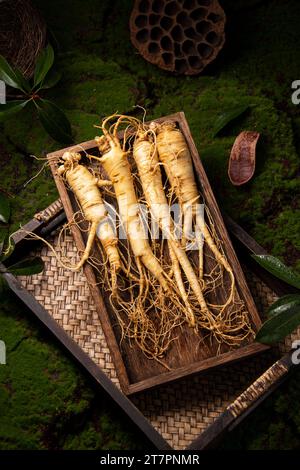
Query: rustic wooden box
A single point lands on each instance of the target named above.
(135, 371)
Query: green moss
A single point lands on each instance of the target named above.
(35, 369)
(17, 168)
(88, 84)
(88, 439)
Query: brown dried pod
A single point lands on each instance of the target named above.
(181, 36)
(242, 158)
(22, 34)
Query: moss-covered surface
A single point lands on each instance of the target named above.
(45, 400)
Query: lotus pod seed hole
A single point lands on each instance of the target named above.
(157, 6)
(183, 19)
(204, 50)
(166, 43)
(195, 62)
(189, 4)
(212, 38)
(153, 19)
(153, 48)
(142, 36)
(199, 14)
(188, 47)
(166, 23)
(203, 27)
(172, 8)
(141, 21)
(191, 33)
(177, 33)
(167, 58)
(156, 33)
(144, 6)
(177, 49)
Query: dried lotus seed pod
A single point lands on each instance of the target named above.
(181, 36)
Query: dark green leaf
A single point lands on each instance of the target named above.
(43, 64)
(281, 304)
(278, 269)
(27, 267)
(4, 209)
(11, 107)
(51, 79)
(3, 238)
(54, 121)
(280, 325)
(26, 86)
(12, 77)
(227, 116)
(8, 248)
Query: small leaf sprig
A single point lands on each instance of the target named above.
(284, 314)
(50, 115)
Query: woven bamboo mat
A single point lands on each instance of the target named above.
(179, 411)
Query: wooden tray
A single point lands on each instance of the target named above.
(193, 413)
(135, 371)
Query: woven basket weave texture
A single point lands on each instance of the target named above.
(179, 411)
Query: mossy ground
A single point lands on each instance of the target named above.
(45, 400)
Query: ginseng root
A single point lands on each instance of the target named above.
(146, 158)
(86, 189)
(173, 152)
(115, 163)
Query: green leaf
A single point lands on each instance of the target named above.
(227, 116)
(278, 269)
(4, 209)
(280, 304)
(284, 322)
(27, 267)
(54, 121)
(3, 238)
(11, 107)
(12, 77)
(26, 86)
(43, 64)
(8, 248)
(51, 79)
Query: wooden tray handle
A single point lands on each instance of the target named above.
(50, 212)
(258, 388)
